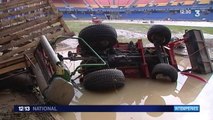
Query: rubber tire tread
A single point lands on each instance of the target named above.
(159, 29)
(165, 69)
(93, 34)
(105, 79)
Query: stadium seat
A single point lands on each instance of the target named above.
(146, 16)
(124, 3)
(176, 2)
(105, 3)
(58, 3)
(188, 2)
(142, 3)
(109, 3)
(76, 3)
(141, 10)
(182, 2)
(92, 4)
(204, 2)
(161, 2)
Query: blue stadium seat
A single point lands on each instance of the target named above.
(168, 12)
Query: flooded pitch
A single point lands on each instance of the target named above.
(141, 91)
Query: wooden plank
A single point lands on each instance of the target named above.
(54, 9)
(61, 20)
(25, 25)
(25, 10)
(21, 49)
(53, 37)
(23, 28)
(65, 27)
(27, 31)
(67, 30)
(22, 19)
(26, 39)
(13, 67)
(11, 3)
(16, 3)
(13, 60)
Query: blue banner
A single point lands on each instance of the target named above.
(107, 108)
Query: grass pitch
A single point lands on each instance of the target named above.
(77, 26)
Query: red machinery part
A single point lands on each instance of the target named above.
(194, 76)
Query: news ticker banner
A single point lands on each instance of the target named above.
(107, 108)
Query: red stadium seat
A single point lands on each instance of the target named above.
(123, 2)
(109, 3)
(92, 3)
(58, 3)
(106, 3)
(72, 3)
(76, 3)
(176, 2)
(183, 2)
(142, 3)
(204, 2)
(188, 2)
(161, 2)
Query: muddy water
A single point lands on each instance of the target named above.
(147, 92)
(142, 91)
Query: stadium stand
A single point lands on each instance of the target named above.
(167, 16)
(76, 3)
(176, 2)
(123, 3)
(92, 4)
(184, 10)
(114, 3)
(142, 3)
(105, 3)
(188, 2)
(144, 16)
(59, 3)
(204, 2)
(161, 2)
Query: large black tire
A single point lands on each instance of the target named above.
(165, 70)
(159, 34)
(100, 37)
(106, 79)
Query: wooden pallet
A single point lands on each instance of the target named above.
(22, 22)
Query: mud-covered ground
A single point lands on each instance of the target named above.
(19, 90)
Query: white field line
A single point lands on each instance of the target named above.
(178, 23)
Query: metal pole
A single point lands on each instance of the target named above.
(50, 52)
